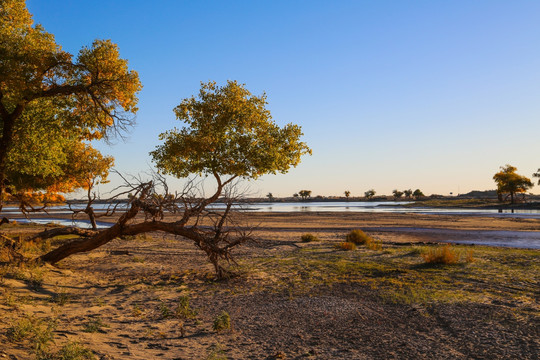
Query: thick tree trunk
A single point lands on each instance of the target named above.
(8, 125)
(119, 229)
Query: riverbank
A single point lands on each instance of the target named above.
(290, 299)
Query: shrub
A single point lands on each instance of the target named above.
(441, 255)
(346, 245)
(222, 322)
(358, 237)
(309, 238)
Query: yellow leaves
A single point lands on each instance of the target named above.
(228, 131)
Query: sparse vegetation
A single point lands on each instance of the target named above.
(164, 310)
(37, 331)
(95, 325)
(222, 322)
(183, 310)
(73, 351)
(61, 297)
(216, 352)
(346, 245)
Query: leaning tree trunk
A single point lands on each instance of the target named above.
(87, 244)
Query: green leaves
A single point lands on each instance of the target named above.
(228, 131)
(50, 104)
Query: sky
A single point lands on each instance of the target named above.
(435, 95)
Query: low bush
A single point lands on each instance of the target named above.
(358, 237)
(441, 255)
(346, 245)
(309, 238)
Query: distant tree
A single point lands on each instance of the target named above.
(270, 196)
(304, 194)
(295, 195)
(347, 194)
(418, 194)
(370, 193)
(509, 182)
(537, 175)
(408, 193)
(397, 193)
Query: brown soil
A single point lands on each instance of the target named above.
(130, 284)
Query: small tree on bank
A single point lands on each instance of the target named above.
(347, 194)
(304, 194)
(397, 194)
(369, 194)
(537, 175)
(418, 194)
(509, 182)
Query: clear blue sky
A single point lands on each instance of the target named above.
(435, 95)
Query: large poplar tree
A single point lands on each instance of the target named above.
(51, 101)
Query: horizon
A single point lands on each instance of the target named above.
(390, 95)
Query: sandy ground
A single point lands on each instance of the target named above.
(132, 288)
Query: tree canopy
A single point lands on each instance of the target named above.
(369, 194)
(228, 132)
(537, 175)
(509, 182)
(51, 102)
(304, 194)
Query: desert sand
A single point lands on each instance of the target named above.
(290, 299)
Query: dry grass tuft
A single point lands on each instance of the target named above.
(441, 255)
(358, 237)
(346, 245)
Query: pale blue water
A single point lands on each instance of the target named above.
(521, 239)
